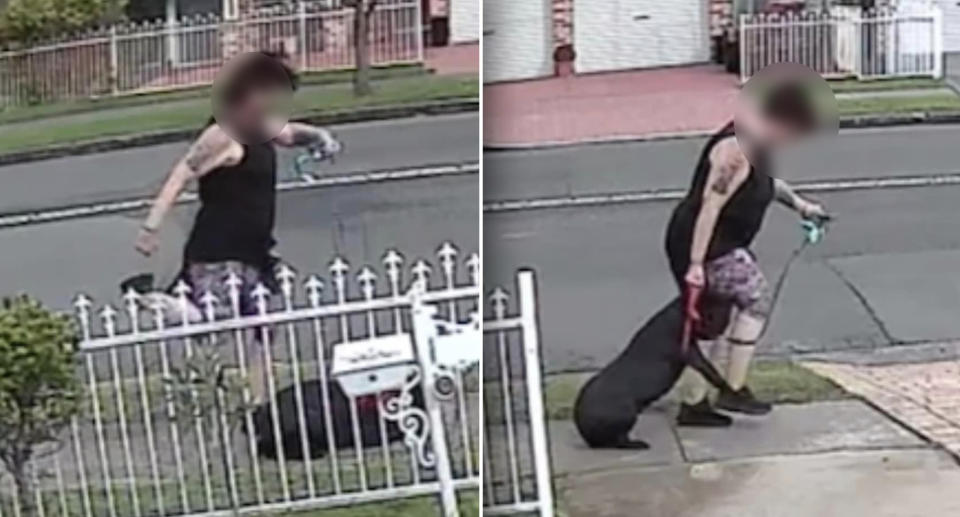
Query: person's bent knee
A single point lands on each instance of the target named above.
(747, 329)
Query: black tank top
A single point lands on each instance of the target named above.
(237, 211)
(739, 220)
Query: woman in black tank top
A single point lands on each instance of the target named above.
(708, 245)
(236, 167)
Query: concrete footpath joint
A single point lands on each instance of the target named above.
(924, 397)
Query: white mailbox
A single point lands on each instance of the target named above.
(373, 365)
(459, 346)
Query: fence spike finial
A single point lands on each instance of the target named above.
(314, 287)
(183, 290)
(209, 301)
(234, 282)
(421, 273)
(367, 278)
(339, 269)
(473, 266)
(286, 276)
(83, 303)
(158, 307)
(499, 300)
(109, 316)
(260, 294)
(132, 298)
(393, 262)
(448, 261)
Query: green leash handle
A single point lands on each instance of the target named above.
(814, 228)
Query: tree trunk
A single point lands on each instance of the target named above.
(25, 496)
(361, 38)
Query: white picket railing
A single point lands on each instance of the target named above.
(152, 56)
(139, 451)
(516, 455)
(845, 42)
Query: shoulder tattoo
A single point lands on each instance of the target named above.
(203, 151)
(721, 183)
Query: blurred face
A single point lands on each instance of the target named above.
(255, 111)
(252, 98)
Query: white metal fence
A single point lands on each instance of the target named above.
(845, 42)
(142, 57)
(372, 387)
(516, 462)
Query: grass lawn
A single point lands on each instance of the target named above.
(778, 381)
(420, 507)
(853, 85)
(935, 101)
(192, 112)
(25, 113)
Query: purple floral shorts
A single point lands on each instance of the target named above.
(212, 277)
(736, 278)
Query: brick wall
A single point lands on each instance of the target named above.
(721, 16)
(563, 22)
(439, 8)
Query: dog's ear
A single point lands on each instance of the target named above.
(141, 283)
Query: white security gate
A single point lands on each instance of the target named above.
(153, 56)
(370, 385)
(845, 42)
(951, 25)
(516, 453)
(464, 21)
(626, 34)
(517, 40)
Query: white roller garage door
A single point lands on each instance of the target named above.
(517, 40)
(464, 20)
(951, 25)
(625, 34)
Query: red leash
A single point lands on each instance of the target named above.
(691, 316)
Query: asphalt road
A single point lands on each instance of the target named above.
(138, 172)
(640, 166)
(888, 273)
(55, 261)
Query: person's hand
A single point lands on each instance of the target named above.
(330, 144)
(812, 210)
(695, 276)
(147, 241)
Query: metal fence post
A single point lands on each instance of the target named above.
(425, 333)
(114, 62)
(743, 48)
(531, 351)
(418, 25)
(302, 44)
(937, 19)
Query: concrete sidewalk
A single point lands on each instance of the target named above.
(838, 459)
(604, 106)
(453, 59)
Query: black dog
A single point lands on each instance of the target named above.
(368, 420)
(608, 405)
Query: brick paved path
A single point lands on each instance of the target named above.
(925, 397)
(619, 105)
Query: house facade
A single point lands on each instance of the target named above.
(524, 40)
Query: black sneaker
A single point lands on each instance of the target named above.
(742, 401)
(701, 415)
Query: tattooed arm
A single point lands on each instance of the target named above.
(296, 134)
(213, 149)
(729, 169)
